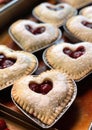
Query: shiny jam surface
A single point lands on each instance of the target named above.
(6, 62)
(87, 24)
(36, 31)
(74, 54)
(55, 8)
(42, 88)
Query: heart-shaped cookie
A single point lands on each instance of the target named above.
(77, 3)
(31, 36)
(54, 14)
(80, 27)
(15, 64)
(44, 98)
(72, 59)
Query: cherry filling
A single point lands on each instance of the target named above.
(87, 24)
(6, 62)
(42, 88)
(74, 54)
(55, 8)
(3, 125)
(36, 31)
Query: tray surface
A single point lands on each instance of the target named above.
(7, 5)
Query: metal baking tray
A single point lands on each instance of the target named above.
(17, 117)
(7, 5)
(13, 10)
(7, 12)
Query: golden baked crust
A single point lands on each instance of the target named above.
(77, 3)
(45, 107)
(25, 64)
(77, 68)
(78, 30)
(29, 41)
(54, 14)
(86, 11)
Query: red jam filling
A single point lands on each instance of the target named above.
(36, 31)
(74, 54)
(3, 125)
(4, 1)
(42, 88)
(55, 8)
(6, 62)
(87, 24)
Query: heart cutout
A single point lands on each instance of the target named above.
(87, 24)
(35, 31)
(55, 8)
(6, 62)
(76, 53)
(42, 88)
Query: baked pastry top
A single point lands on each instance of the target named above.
(32, 36)
(44, 96)
(77, 3)
(80, 27)
(87, 11)
(72, 59)
(54, 14)
(15, 64)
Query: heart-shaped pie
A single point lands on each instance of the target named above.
(54, 14)
(77, 3)
(72, 59)
(15, 64)
(44, 97)
(32, 36)
(80, 27)
(87, 11)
